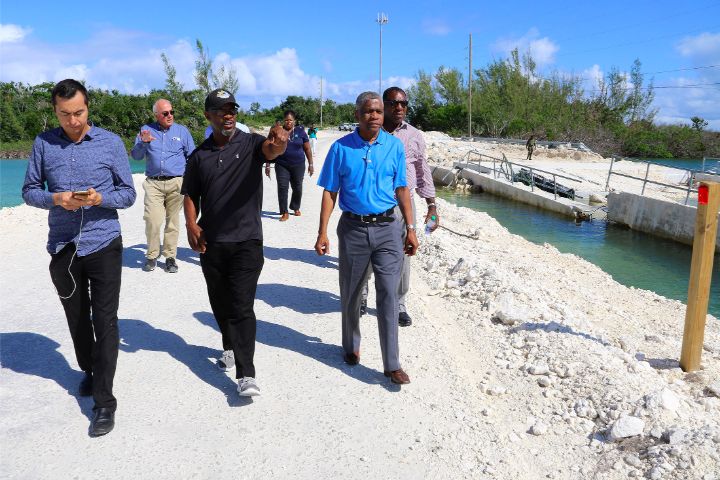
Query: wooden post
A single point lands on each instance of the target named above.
(706, 225)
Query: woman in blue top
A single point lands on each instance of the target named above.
(290, 166)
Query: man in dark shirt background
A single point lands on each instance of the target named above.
(87, 175)
(223, 186)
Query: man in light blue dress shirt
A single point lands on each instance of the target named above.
(81, 174)
(366, 169)
(165, 145)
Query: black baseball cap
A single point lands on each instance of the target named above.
(219, 98)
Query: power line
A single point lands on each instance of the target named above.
(575, 77)
(638, 42)
(682, 69)
(708, 86)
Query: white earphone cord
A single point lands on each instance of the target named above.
(77, 245)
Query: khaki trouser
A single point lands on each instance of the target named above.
(163, 202)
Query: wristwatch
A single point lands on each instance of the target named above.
(410, 226)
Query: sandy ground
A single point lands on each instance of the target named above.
(523, 361)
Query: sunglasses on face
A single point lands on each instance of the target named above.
(393, 103)
(169, 112)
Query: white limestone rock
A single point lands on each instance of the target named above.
(585, 409)
(626, 426)
(539, 428)
(664, 398)
(507, 310)
(597, 199)
(676, 436)
(539, 370)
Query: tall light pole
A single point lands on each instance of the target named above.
(321, 102)
(382, 19)
(470, 77)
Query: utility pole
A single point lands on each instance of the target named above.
(382, 19)
(470, 88)
(321, 101)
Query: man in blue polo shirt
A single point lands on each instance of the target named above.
(367, 169)
(166, 146)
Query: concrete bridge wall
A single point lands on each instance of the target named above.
(657, 217)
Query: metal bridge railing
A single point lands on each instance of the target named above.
(502, 167)
(689, 175)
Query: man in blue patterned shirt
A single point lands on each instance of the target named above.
(165, 145)
(81, 174)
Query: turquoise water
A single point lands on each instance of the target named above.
(632, 258)
(12, 176)
(710, 165)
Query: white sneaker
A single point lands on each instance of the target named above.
(226, 361)
(247, 387)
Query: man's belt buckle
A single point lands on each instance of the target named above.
(368, 218)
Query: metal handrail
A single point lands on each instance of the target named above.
(505, 163)
(688, 188)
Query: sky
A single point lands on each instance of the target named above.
(284, 48)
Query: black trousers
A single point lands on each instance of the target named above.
(231, 273)
(91, 312)
(292, 176)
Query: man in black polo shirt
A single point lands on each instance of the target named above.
(223, 183)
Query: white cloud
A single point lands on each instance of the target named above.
(114, 59)
(543, 49)
(10, 33)
(435, 26)
(678, 105)
(703, 45)
(592, 75)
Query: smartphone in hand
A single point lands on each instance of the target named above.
(81, 194)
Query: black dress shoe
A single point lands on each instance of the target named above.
(86, 385)
(102, 423)
(404, 319)
(352, 358)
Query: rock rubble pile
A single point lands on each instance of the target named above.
(584, 363)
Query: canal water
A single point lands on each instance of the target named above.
(632, 258)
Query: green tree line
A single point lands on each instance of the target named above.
(26, 111)
(511, 99)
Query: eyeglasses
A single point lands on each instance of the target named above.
(392, 103)
(169, 112)
(233, 111)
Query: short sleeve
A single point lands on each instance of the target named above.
(329, 178)
(190, 178)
